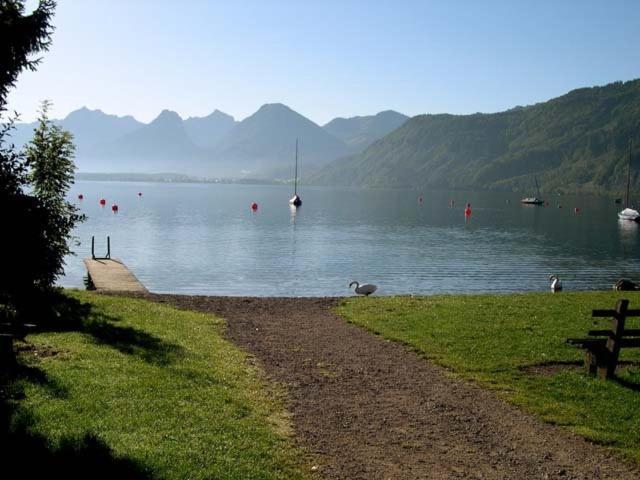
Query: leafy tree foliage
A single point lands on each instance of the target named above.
(51, 167)
(37, 219)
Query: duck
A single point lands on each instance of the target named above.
(365, 289)
(625, 285)
(556, 284)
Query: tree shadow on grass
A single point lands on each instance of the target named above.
(30, 454)
(27, 454)
(623, 382)
(61, 313)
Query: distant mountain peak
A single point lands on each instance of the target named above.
(168, 117)
(206, 131)
(216, 114)
(274, 109)
(278, 112)
(266, 139)
(84, 112)
(361, 131)
(274, 106)
(383, 113)
(390, 112)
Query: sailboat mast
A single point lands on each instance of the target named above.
(626, 198)
(295, 181)
(537, 187)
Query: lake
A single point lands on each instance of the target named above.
(204, 239)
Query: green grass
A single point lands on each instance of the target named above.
(490, 338)
(156, 390)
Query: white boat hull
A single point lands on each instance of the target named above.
(629, 214)
(296, 201)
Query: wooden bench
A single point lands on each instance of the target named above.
(601, 354)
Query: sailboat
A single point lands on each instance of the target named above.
(296, 201)
(629, 213)
(533, 200)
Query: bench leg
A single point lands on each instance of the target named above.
(603, 372)
(598, 363)
(590, 362)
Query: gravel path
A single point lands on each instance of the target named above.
(367, 408)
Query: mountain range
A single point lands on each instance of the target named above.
(260, 146)
(578, 142)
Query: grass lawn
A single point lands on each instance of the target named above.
(141, 390)
(490, 338)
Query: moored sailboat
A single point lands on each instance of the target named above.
(296, 201)
(629, 213)
(533, 200)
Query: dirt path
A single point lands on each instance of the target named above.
(367, 408)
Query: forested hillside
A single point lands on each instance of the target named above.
(577, 142)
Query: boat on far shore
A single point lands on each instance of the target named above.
(533, 200)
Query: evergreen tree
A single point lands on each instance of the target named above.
(37, 219)
(50, 162)
(21, 36)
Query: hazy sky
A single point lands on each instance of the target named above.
(328, 58)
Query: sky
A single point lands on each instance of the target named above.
(327, 58)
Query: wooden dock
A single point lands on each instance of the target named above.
(111, 275)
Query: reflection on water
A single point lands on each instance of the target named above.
(205, 239)
(628, 235)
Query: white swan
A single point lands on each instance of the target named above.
(364, 289)
(556, 284)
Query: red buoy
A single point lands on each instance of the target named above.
(80, 197)
(114, 208)
(576, 210)
(467, 210)
(254, 206)
(103, 202)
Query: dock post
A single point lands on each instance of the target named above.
(93, 247)
(108, 246)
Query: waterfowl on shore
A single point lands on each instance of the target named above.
(556, 284)
(625, 285)
(364, 289)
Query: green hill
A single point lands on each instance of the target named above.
(577, 142)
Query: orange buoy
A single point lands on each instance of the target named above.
(80, 197)
(103, 202)
(254, 206)
(114, 208)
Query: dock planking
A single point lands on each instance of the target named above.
(111, 275)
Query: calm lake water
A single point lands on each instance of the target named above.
(204, 239)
